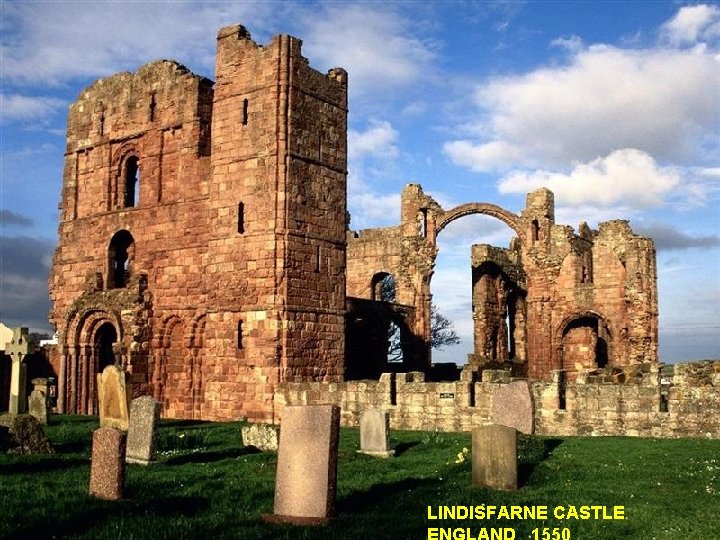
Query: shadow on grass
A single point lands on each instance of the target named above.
(542, 448)
(82, 522)
(209, 457)
(42, 465)
(183, 423)
(379, 495)
(403, 447)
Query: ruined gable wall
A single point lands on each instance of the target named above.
(158, 116)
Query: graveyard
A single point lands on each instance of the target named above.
(206, 484)
(222, 370)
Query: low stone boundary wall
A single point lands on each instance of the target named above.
(645, 409)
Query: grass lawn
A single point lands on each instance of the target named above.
(207, 485)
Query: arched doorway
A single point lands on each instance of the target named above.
(103, 356)
(585, 344)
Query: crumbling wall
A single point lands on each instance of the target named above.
(625, 402)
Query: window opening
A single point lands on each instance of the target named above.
(132, 182)
(120, 255)
(151, 111)
(241, 218)
(384, 288)
(240, 334)
(535, 230)
(245, 106)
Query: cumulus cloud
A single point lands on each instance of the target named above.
(374, 43)
(693, 24)
(64, 41)
(629, 176)
(27, 108)
(379, 140)
(662, 102)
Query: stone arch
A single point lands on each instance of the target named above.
(492, 210)
(90, 339)
(584, 341)
(383, 287)
(174, 372)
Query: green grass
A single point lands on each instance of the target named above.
(207, 485)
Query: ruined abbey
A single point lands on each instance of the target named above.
(204, 246)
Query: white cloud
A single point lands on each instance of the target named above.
(15, 107)
(693, 24)
(664, 101)
(379, 140)
(627, 176)
(495, 155)
(56, 42)
(373, 43)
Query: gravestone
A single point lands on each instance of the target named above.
(142, 432)
(375, 433)
(37, 405)
(17, 349)
(114, 397)
(512, 406)
(107, 469)
(261, 436)
(27, 436)
(494, 457)
(306, 479)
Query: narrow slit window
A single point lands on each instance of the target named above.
(240, 334)
(132, 182)
(246, 103)
(241, 218)
(151, 108)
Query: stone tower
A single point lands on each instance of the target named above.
(202, 232)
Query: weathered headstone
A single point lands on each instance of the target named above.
(37, 406)
(107, 469)
(27, 436)
(512, 405)
(494, 457)
(261, 436)
(142, 432)
(114, 398)
(306, 479)
(375, 433)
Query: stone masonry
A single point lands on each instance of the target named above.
(204, 249)
(202, 232)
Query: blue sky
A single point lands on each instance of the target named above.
(613, 105)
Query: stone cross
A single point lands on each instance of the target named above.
(306, 479)
(107, 469)
(114, 398)
(18, 348)
(375, 433)
(494, 457)
(142, 432)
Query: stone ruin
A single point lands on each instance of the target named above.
(204, 248)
